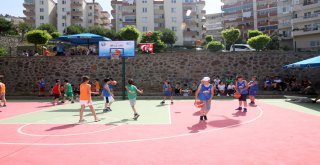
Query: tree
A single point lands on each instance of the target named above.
(259, 42)
(129, 33)
(55, 34)
(38, 37)
(3, 51)
(48, 27)
(99, 30)
(254, 33)
(231, 35)
(209, 38)
(5, 26)
(113, 35)
(274, 44)
(74, 29)
(23, 28)
(215, 46)
(156, 39)
(169, 37)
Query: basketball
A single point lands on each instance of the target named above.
(114, 82)
(199, 104)
(237, 95)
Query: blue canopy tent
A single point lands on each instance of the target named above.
(308, 63)
(83, 39)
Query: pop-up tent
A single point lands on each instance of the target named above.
(308, 63)
(83, 39)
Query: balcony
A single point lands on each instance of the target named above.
(309, 18)
(306, 6)
(288, 14)
(284, 25)
(233, 20)
(158, 12)
(307, 31)
(76, 13)
(76, 4)
(159, 20)
(28, 12)
(189, 33)
(203, 11)
(128, 23)
(128, 13)
(77, 20)
(28, 5)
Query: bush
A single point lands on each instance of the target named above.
(129, 33)
(215, 46)
(55, 34)
(74, 29)
(3, 51)
(259, 42)
(156, 39)
(254, 33)
(38, 37)
(231, 35)
(209, 38)
(48, 27)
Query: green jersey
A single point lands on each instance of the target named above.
(68, 88)
(132, 89)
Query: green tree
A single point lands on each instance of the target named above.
(55, 34)
(3, 51)
(129, 33)
(5, 26)
(169, 37)
(113, 35)
(48, 27)
(156, 39)
(254, 33)
(215, 46)
(23, 28)
(74, 29)
(209, 38)
(38, 37)
(259, 42)
(99, 30)
(231, 35)
(274, 44)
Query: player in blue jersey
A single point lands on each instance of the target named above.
(205, 94)
(253, 89)
(242, 88)
(167, 91)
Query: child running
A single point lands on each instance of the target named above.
(3, 93)
(242, 88)
(106, 93)
(85, 99)
(132, 96)
(69, 92)
(205, 94)
(56, 92)
(253, 89)
(167, 90)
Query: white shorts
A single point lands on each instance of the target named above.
(85, 102)
(132, 102)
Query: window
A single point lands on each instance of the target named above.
(284, 10)
(90, 14)
(161, 8)
(119, 8)
(90, 21)
(63, 2)
(173, 10)
(144, 10)
(64, 17)
(173, 1)
(62, 24)
(144, 29)
(312, 43)
(174, 19)
(144, 19)
(41, 9)
(41, 2)
(41, 17)
(90, 7)
(63, 9)
(174, 28)
(144, 1)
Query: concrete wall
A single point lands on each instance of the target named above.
(149, 71)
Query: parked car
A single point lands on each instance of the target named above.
(241, 48)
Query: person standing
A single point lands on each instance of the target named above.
(69, 92)
(132, 96)
(56, 92)
(242, 88)
(253, 89)
(3, 93)
(42, 86)
(167, 91)
(205, 94)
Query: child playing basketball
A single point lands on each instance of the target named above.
(167, 90)
(3, 93)
(56, 92)
(205, 94)
(85, 99)
(106, 93)
(253, 89)
(242, 88)
(132, 96)
(97, 86)
(69, 92)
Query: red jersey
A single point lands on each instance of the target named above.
(55, 89)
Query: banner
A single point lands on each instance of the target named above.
(116, 49)
(146, 47)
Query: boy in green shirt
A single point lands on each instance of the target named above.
(132, 96)
(69, 92)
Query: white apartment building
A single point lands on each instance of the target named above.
(40, 12)
(185, 17)
(214, 25)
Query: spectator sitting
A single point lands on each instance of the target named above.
(60, 49)
(286, 83)
(306, 86)
(185, 91)
(267, 83)
(216, 81)
(194, 87)
(221, 88)
(36, 53)
(177, 89)
(231, 89)
(229, 80)
(277, 84)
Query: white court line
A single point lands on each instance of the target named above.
(138, 140)
(169, 110)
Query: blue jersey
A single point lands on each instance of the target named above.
(166, 88)
(42, 84)
(105, 92)
(205, 92)
(110, 86)
(241, 87)
(254, 87)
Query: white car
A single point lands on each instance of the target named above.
(242, 48)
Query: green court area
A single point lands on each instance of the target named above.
(151, 113)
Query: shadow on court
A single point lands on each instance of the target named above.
(239, 113)
(313, 106)
(123, 121)
(66, 126)
(202, 125)
(225, 122)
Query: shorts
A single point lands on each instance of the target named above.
(41, 89)
(97, 90)
(252, 93)
(132, 102)
(85, 102)
(167, 93)
(3, 96)
(56, 96)
(206, 105)
(106, 99)
(243, 97)
(69, 94)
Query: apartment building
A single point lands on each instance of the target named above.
(65, 13)
(250, 14)
(284, 23)
(214, 25)
(40, 12)
(185, 17)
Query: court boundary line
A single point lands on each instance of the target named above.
(139, 140)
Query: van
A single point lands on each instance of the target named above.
(241, 48)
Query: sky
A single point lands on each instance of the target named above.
(15, 7)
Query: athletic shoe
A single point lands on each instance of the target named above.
(62, 102)
(244, 109)
(227, 94)
(201, 118)
(136, 116)
(109, 109)
(171, 102)
(72, 102)
(239, 109)
(105, 110)
(4, 105)
(205, 117)
(162, 102)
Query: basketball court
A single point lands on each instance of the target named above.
(275, 132)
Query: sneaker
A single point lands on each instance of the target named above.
(109, 109)
(105, 110)
(4, 105)
(239, 109)
(201, 118)
(72, 102)
(171, 102)
(136, 116)
(227, 94)
(205, 117)
(162, 102)
(62, 102)
(244, 109)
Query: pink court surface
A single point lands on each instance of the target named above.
(276, 132)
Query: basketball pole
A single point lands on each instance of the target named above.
(123, 78)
